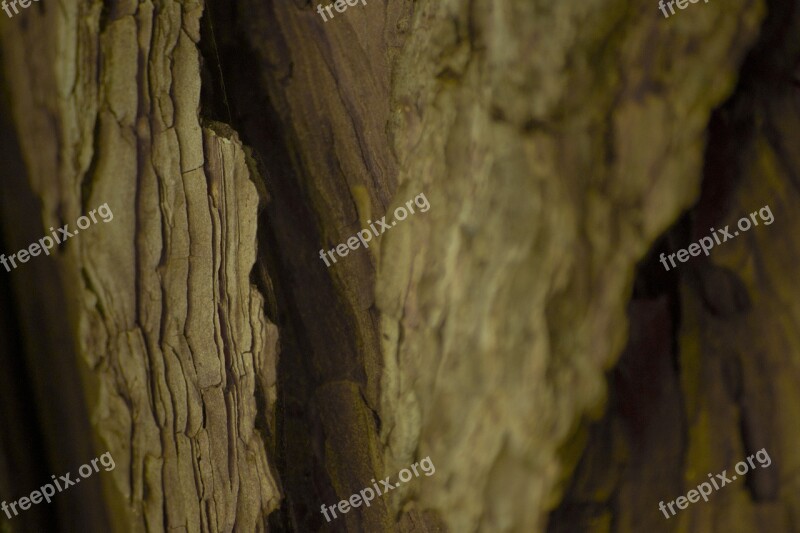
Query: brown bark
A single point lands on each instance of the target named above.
(171, 338)
(559, 145)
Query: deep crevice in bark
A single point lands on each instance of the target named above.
(24, 458)
(43, 413)
(21, 442)
(306, 304)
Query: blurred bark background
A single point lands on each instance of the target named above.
(521, 333)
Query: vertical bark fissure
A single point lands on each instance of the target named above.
(307, 304)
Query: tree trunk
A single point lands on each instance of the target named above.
(520, 333)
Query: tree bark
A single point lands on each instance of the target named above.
(240, 383)
(171, 337)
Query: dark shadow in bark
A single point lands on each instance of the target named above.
(44, 419)
(317, 342)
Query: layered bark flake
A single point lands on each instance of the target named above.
(172, 335)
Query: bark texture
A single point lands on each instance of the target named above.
(549, 175)
(708, 377)
(171, 336)
(560, 145)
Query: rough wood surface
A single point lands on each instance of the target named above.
(556, 143)
(171, 335)
(718, 333)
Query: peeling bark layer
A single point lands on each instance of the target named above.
(312, 100)
(171, 335)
